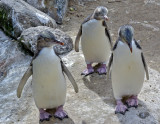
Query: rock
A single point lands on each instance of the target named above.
(13, 64)
(54, 8)
(143, 115)
(29, 39)
(10, 52)
(17, 15)
(82, 2)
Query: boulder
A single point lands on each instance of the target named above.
(54, 8)
(17, 15)
(29, 39)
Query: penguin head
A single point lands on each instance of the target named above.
(100, 13)
(47, 39)
(126, 33)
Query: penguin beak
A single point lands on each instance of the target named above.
(130, 46)
(106, 18)
(58, 42)
(131, 49)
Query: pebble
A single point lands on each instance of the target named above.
(143, 115)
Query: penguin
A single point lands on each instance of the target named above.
(48, 81)
(128, 69)
(95, 40)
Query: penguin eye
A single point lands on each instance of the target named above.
(46, 39)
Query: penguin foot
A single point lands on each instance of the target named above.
(132, 102)
(120, 108)
(87, 72)
(44, 116)
(102, 69)
(60, 113)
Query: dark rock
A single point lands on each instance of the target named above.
(29, 39)
(17, 15)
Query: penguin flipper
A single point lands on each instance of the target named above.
(107, 33)
(78, 39)
(70, 77)
(23, 81)
(80, 33)
(109, 65)
(145, 66)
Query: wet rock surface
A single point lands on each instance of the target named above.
(17, 15)
(54, 8)
(29, 39)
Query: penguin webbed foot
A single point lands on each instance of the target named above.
(120, 108)
(132, 102)
(44, 116)
(102, 69)
(60, 113)
(87, 72)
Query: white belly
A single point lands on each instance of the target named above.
(95, 44)
(127, 71)
(48, 83)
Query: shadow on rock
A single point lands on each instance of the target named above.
(57, 121)
(101, 86)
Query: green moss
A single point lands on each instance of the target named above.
(6, 21)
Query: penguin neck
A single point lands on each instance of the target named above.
(120, 39)
(93, 17)
(47, 50)
(99, 20)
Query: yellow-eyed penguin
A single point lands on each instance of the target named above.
(128, 69)
(95, 40)
(48, 81)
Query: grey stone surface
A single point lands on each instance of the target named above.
(82, 2)
(13, 63)
(94, 104)
(54, 8)
(17, 15)
(29, 39)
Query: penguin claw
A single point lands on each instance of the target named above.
(129, 106)
(87, 72)
(41, 120)
(102, 73)
(123, 113)
(61, 118)
(47, 119)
